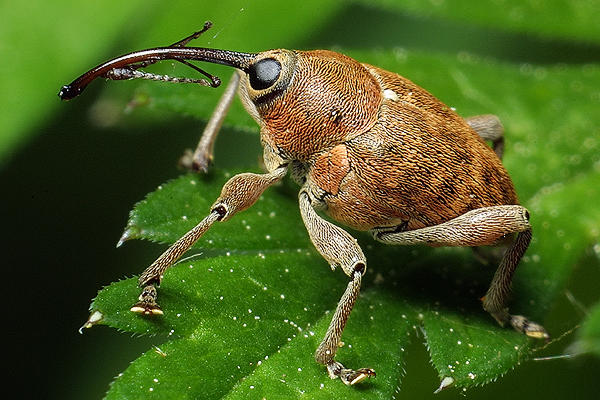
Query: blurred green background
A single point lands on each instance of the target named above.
(67, 168)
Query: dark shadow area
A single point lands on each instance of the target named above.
(70, 194)
(452, 279)
(365, 27)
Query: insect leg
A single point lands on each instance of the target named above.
(497, 295)
(490, 128)
(338, 248)
(239, 193)
(480, 227)
(202, 157)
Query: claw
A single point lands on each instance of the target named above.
(195, 162)
(351, 377)
(348, 376)
(521, 324)
(141, 308)
(147, 304)
(530, 328)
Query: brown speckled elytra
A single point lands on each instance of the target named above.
(368, 147)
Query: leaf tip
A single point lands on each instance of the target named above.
(129, 233)
(444, 384)
(95, 317)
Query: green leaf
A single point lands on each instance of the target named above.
(588, 338)
(188, 199)
(471, 352)
(572, 19)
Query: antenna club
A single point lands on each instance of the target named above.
(68, 92)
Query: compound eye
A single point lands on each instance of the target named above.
(264, 73)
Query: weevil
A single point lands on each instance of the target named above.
(369, 148)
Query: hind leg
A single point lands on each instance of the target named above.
(495, 299)
(490, 128)
(200, 159)
(480, 227)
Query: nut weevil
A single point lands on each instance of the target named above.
(368, 147)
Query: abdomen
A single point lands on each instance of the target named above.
(421, 164)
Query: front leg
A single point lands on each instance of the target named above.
(202, 157)
(480, 227)
(239, 193)
(338, 248)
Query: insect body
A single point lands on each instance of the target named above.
(371, 149)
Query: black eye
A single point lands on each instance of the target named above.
(264, 73)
